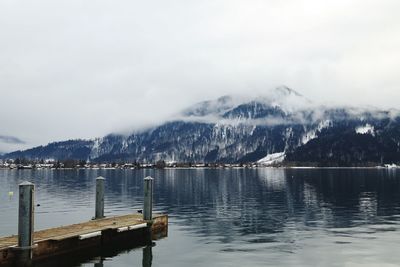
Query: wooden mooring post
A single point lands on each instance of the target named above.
(127, 230)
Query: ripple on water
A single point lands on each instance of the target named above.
(234, 217)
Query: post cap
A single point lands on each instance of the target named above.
(26, 183)
(100, 178)
(148, 178)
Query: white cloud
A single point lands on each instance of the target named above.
(72, 69)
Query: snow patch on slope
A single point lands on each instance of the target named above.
(366, 129)
(271, 159)
(310, 135)
(95, 152)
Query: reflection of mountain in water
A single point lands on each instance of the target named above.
(269, 207)
(259, 204)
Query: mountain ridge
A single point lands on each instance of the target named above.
(234, 130)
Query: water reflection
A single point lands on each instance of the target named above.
(147, 256)
(282, 216)
(103, 256)
(273, 205)
(99, 263)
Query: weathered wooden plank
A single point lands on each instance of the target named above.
(66, 239)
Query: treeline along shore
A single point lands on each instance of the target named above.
(81, 164)
(161, 164)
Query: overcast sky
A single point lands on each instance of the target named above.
(85, 68)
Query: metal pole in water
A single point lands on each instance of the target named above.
(100, 197)
(26, 220)
(99, 263)
(147, 259)
(148, 199)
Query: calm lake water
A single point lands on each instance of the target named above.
(231, 217)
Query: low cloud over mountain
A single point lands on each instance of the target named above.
(249, 129)
(9, 142)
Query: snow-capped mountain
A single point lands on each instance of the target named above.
(280, 125)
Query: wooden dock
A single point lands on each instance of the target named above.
(96, 233)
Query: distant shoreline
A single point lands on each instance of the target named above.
(208, 167)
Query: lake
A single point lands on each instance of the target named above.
(230, 217)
